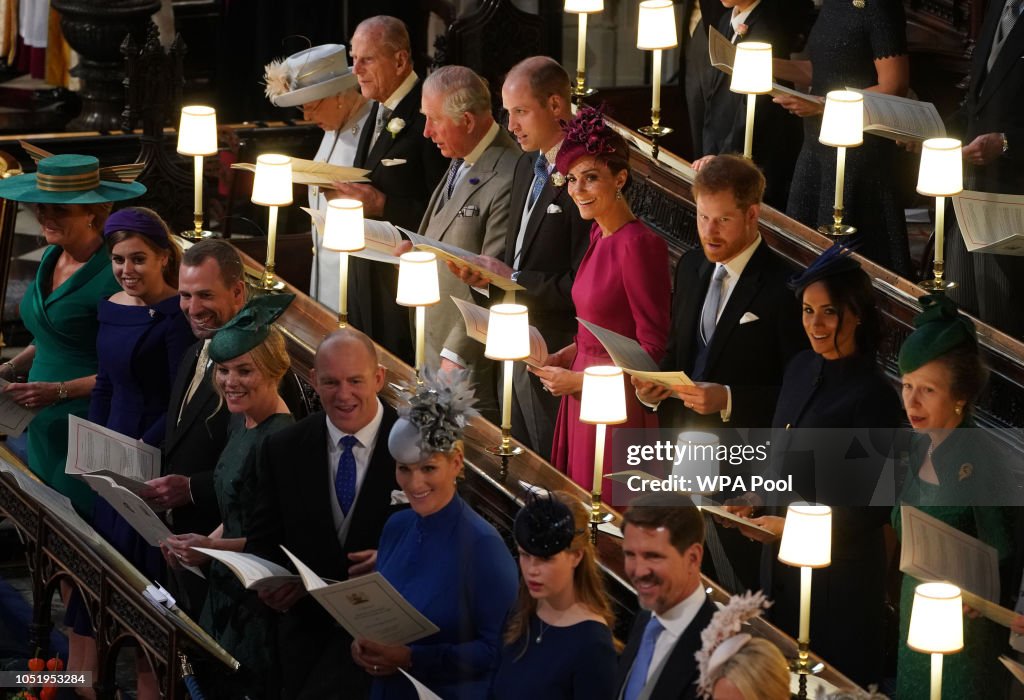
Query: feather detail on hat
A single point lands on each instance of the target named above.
(439, 409)
(722, 638)
(850, 694)
(278, 78)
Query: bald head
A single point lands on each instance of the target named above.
(347, 376)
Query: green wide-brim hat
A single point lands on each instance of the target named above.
(939, 328)
(72, 179)
(249, 328)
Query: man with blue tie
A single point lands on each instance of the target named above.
(325, 489)
(663, 545)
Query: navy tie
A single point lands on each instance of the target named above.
(642, 662)
(449, 182)
(540, 176)
(345, 480)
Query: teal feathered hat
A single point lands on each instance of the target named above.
(249, 328)
(72, 179)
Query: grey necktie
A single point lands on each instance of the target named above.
(1007, 20)
(709, 314)
(383, 117)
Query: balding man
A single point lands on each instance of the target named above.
(325, 491)
(404, 169)
(470, 208)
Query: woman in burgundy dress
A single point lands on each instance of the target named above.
(622, 285)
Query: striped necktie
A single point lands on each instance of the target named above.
(1011, 13)
(449, 181)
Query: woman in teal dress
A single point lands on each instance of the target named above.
(955, 474)
(59, 307)
(250, 359)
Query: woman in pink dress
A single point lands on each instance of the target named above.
(622, 285)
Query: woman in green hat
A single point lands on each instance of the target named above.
(250, 359)
(72, 202)
(955, 473)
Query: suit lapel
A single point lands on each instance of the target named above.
(1008, 56)
(405, 110)
(474, 179)
(363, 148)
(314, 491)
(380, 477)
(521, 181)
(742, 295)
(689, 317)
(679, 672)
(540, 209)
(181, 382)
(194, 409)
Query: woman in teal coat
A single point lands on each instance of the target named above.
(59, 307)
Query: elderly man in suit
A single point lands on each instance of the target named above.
(470, 208)
(663, 545)
(735, 325)
(546, 238)
(404, 169)
(212, 292)
(326, 487)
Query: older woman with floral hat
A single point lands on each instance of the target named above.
(447, 561)
(72, 201)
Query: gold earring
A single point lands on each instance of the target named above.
(959, 409)
(618, 194)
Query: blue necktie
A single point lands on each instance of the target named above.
(642, 662)
(449, 182)
(540, 176)
(345, 480)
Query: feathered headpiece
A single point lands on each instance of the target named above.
(850, 694)
(833, 261)
(544, 526)
(435, 418)
(307, 76)
(722, 638)
(587, 134)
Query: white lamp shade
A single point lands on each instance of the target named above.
(936, 619)
(752, 70)
(272, 186)
(942, 168)
(508, 332)
(843, 121)
(343, 228)
(417, 279)
(197, 131)
(807, 536)
(604, 396)
(584, 7)
(657, 26)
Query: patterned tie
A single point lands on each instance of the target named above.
(540, 176)
(345, 481)
(383, 117)
(1006, 22)
(449, 181)
(709, 315)
(642, 664)
(197, 377)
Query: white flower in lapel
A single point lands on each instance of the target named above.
(557, 178)
(395, 126)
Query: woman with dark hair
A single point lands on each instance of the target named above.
(622, 284)
(558, 641)
(955, 473)
(834, 424)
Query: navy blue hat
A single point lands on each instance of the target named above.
(544, 526)
(833, 261)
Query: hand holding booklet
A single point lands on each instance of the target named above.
(14, 417)
(477, 319)
(633, 359)
(722, 53)
(94, 449)
(312, 172)
(461, 257)
(255, 573)
(380, 237)
(990, 222)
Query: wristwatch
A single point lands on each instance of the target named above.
(1006, 143)
(62, 391)
(515, 275)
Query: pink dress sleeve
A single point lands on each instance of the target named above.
(645, 276)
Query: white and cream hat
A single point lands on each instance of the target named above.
(309, 75)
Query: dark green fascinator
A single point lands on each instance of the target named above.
(435, 418)
(939, 328)
(249, 328)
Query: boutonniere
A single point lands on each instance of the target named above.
(558, 179)
(474, 181)
(966, 471)
(395, 126)
(859, 4)
(742, 29)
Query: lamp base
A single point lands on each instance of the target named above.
(506, 451)
(194, 235)
(937, 285)
(264, 283)
(655, 131)
(596, 516)
(578, 92)
(801, 666)
(837, 230)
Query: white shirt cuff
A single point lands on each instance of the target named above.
(652, 406)
(726, 414)
(453, 357)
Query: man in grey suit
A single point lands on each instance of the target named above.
(469, 209)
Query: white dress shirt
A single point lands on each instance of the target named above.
(675, 621)
(739, 18)
(362, 451)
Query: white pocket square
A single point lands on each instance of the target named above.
(748, 318)
(398, 498)
(388, 162)
(554, 209)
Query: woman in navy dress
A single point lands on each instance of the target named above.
(558, 643)
(446, 560)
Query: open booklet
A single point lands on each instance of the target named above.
(380, 237)
(627, 354)
(934, 551)
(991, 223)
(312, 172)
(14, 417)
(1013, 667)
(477, 319)
(900, 118)
(255, 573)
(722, 53)
(93, 449)
(368, 607)
(461, 257)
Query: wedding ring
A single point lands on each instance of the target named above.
(375, 668)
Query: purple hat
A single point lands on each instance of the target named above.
(138, 221)
(587, 135)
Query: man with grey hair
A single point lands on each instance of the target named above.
(469, 208)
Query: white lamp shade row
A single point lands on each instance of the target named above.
(936, 619)
(343, 228)
(656, 28)
(417, 279)
(752, 69)
(508, 332)
(604, 396)
(807, 536)
(584, 7)
(941, 173)
(197, 131)
(272, 186)
(842, 124)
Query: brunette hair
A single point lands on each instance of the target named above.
(851, 291)
(968, 373)
(545, 76)
(170, 271)
(734, 174)
(228, 260)
(673, 511)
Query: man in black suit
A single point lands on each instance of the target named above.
(546, 238)
(325, 497)
(735, 325)
(404, 166)
(212, 292)
(698, 15)
(992, 125)
(663, 545)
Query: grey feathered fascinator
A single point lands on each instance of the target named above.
(435, 418)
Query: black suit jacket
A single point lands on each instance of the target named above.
(193, 446)
(293, 508)
(750, 357)
(678, 678)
